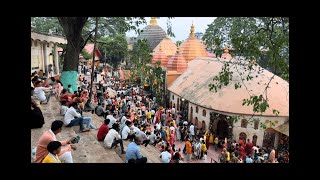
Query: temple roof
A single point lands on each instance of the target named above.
(193, 85)
(226, 54)
(153, 33)
(177, 63)
(160, 56)
(168, 46)
(192, 47)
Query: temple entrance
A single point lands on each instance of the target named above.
(254, 140)
(222, 129)
(243, 136)
(268, 138)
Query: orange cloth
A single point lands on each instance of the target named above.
(188, 147)
(43, 142)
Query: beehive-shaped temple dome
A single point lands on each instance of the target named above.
(192, 47)
(160, 56)
(168, 46)
(177, 63)
(153, 33)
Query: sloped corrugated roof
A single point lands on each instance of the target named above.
(193, 85)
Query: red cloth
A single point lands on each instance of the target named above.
(248, 148)
(172, 138)
(103, 131)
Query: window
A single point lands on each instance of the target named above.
(256, 124)
(244, 123)
(204, 113)
(172, 97)
(197, 109)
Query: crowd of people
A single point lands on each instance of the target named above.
(129, 114)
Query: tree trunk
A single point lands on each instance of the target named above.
(72, 27)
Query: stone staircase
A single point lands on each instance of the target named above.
(89, 149)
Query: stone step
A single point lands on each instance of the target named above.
(89, 150)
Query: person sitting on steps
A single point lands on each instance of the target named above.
(113, 138)
(72, 118)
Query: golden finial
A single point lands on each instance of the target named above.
(160, 47)
(167, 36)
(226, 50)
(153, 21)
(192, 30)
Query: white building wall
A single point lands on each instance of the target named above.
(199, 115)
(250, 131)
(237, 129)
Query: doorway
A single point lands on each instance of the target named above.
(222, 129)
(268, 138)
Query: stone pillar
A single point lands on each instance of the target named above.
(56, 59)
(45, 58)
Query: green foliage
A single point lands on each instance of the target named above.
(263, 125)
(115, 49)
(259, 103)
(264, 39)
(276, 112)
(224, 78)
(47, 25)
(178, 43)
(86, 55)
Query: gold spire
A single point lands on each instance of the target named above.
(160, 47)
(226, 50)
(167, 37)
(192, 30)
(153, 21)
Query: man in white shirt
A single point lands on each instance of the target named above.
(72, 118)
(113, 138)
(112, 120)
(40, 94)
(191, 129)
(165, 156)
(125, 133)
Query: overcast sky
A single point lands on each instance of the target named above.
(180, 26)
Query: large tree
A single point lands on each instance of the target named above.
(264, 40)
(78, 31)
(72, 27)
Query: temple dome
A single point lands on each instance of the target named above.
(168, 46)
(153, 33)
(192, 47)
(226, 54)
(177, 63)
(160, 56)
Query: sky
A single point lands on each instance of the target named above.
(180, 26)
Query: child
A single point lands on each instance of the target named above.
(54, 148)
